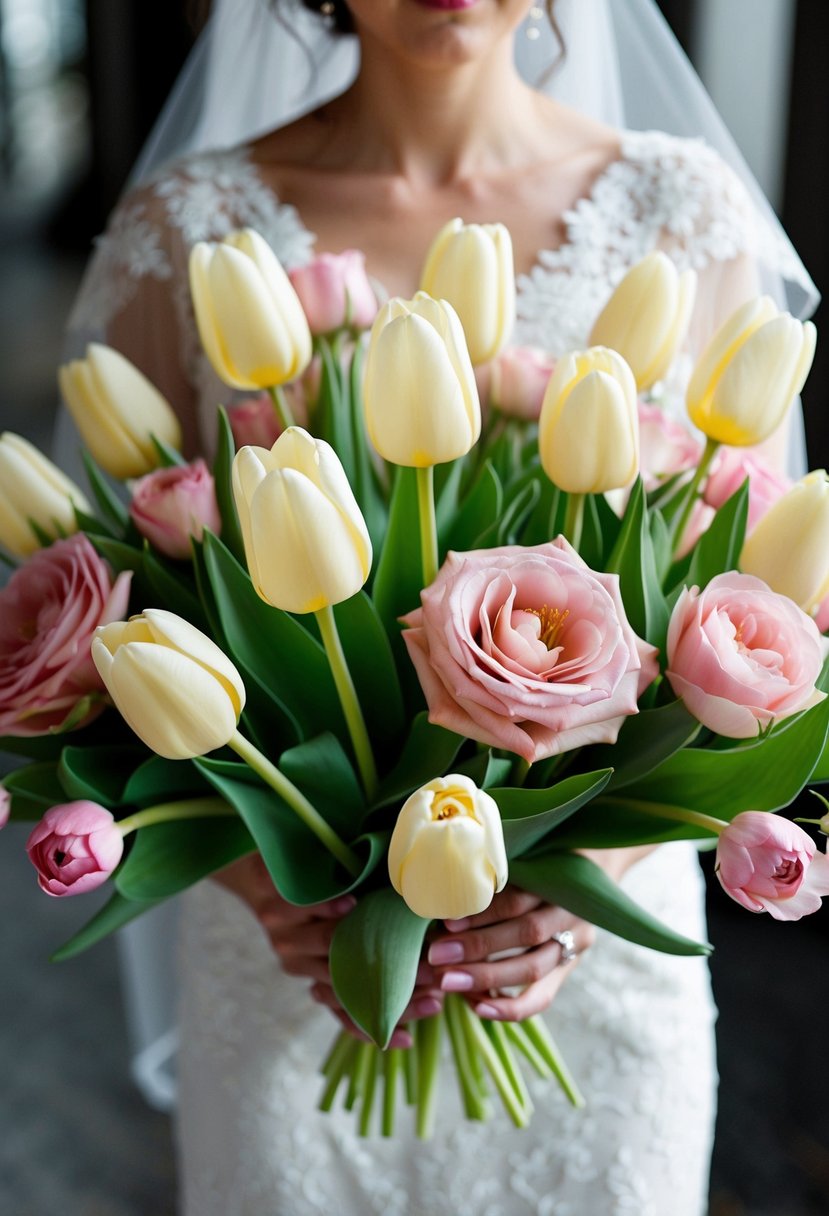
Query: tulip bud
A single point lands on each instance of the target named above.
(32, 488)
(172, 685)
(789, 547)
(750, 373)
(250, 320)
(172, 505)
(518, 380)
(117, 411)
(588, 432)
(75, 848)
(335, 292)
(306, 542)
(446, 855)
(646, 319)
(471, 266)
(420, 396)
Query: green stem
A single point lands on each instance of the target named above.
(474, 1100)
(338, 1066)
(427, 1043)
(428, 523)
(511, 1099)
(517, 1035)
(391, 1068)
(281, 407)
(297, 801)
(664, 810)
(574, 519)
(167, 812)
(711, 446)
(410, 1063)
(500, 1041)
(357, 1080)
(369, 1089)
(348, 699)
(543, 1041)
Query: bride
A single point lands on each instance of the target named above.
(438, 122)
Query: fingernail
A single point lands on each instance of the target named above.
(342, 905)
(401, 1038)
(456, 981)
(445, 952)
(456, 926)
(427, 1007)
(487, 1011)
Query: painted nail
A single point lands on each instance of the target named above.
(445, 952)
(342, 905)
(456, 981)
(456, 926)
(487, 1011)
(401, 1038)
(427, 1007)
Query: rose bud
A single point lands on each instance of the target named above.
(740, 656)
(588, 433)
(471, 266)
(117, 411)
(769, 864)
(173, 686)
(750, 373)
(789, 548)
(518, 379)
(172, 505)
(335, 292)
(420, 396)
(729, 469)
(250, 320)
(5, 806)
(33, 489)
(306, 542)
(646, 319)
(447, 856)
(75, 848)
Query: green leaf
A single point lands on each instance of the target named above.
(116, 913)
(516, 513)
(645, 741)
(37, 747)
(323, 771)
(583, 888)
(98, 773)
(398, 577)
(479, 510)
(365, 482)
(371, 663)
(546, 519)
(427, 753)
(170, 857)
(374, 957)
(719, 547)
(633, 560)
(530, 815)
(107, 499)
(169, 584)
(600, 531)
(168, 457)
(222, 475)
(160, 780)
(92, 526)
(34, 789)
(485, 769)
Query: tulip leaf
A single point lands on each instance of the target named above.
(93, 526)
(323, 771)
(161, 780)
(398, 576)
(371, 663)
(170, 583)
(374, 957)
(719, 547)
(116, 913)
(98, 773)
(222, 476)
(645, 741)
(583, 888)
(661, 542)
(516, 512)
(479, 510)
(485, 769)
(547, 518)
(107, 499)
(365, 483)
(448, 480)
(170, 857)
(528, 816)
(168, 457)
(600, 531)
(332, 418)
(633, 560)
(34, 789)
(427, 753)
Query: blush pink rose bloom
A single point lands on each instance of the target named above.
(528, 649)
(334, 291)
(5, 806)
(729, 470)
(49, 610)
(769, 864)
(171, 505)
(741, 656)
(666, 447)
(518, 378)
(75, 848)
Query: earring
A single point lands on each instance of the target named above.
(327, 9)
(536, 15)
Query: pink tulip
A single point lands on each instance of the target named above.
(518, 378)
(49, 610)
(5, 806)
(769, 864)
(335, 292)
(740, 656)
(254, 422)
(528, 649)
(75, 848)
(666, 447)
(171, 505)
(729, 470)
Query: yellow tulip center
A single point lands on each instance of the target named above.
(451, 804)
(552, 622)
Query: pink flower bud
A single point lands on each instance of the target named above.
(822, 615)
(519, 377)
(768, 864)
(666, 447)
(335, 292)
(5, 806)
(254, 422)
(75, 848)
(171, 505)
(728, 472)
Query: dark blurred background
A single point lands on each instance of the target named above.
(81, 82)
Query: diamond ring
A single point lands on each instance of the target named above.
(567, 943)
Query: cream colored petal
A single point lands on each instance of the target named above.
(46, 473)
(414, 815)
(436, 253)
(108, 444)
(447, 875)
(283, 296)
(175, 632)
(722, 347)
(201, 255)
(755, 391)
(137, 404)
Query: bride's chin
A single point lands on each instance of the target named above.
(434, 32)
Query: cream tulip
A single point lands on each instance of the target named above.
(249, 317)
(33, 490)
(447, 856)
(750, 373)
(588, 432)
(789, 546)
(471, 266)
(117, 411)
(646, 319)
(306, 542)
(172, 685)
(420, 396)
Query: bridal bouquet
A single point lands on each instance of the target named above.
(413, 651)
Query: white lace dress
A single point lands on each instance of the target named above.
(636, 1027)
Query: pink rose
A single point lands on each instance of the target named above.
(527, 649)
(741, 656)
(254, 422)
(49, 610)
(171, 505)
(335, 292)
(518, 378)
(5, 806)
(75, 848)
(665, 446)
(729, 470)
(769, 864)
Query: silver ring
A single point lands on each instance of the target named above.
(567, 943)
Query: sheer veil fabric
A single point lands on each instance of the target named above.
(246, 75)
